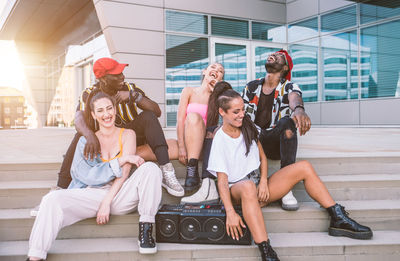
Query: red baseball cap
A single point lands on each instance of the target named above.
(104, 66)
(289, 63)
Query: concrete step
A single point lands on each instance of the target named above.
(25, 194)
(16, 224)
(357, 187)
(311, 246)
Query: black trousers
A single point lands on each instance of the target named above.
(277, 145)
(148, 131)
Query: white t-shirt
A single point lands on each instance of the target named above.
(228, 155)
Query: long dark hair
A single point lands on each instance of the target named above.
(95, 95)
(248, 129)
(212, 111)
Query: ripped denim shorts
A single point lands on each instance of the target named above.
(253, 176)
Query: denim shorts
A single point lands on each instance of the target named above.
(253, 176)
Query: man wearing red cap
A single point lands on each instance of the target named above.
(275, 105)
(149, 134)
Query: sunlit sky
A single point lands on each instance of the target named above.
(11, 70)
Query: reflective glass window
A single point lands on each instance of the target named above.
(303, 30)
(229, 27)
(186, 57)
(186, 22)
(305, 68)
(381, 53)
(234, 59)
(372, 13)
(269, 32)
(340, 67)
(340, 19)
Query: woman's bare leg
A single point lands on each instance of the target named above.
(146, 153)
(246, 193)
(195, 131)
(284, 180)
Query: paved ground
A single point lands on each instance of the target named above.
(47, 145)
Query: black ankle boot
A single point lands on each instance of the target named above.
(146, 240)
(192, 181)
(267, 253)
(342, 225)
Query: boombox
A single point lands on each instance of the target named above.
(196, 224)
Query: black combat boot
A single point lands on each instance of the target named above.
(192, 181)
(146, 240)
(267, 253)
(342, 225)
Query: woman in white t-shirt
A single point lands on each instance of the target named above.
(235, 155)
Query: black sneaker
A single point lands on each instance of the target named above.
(146, 241)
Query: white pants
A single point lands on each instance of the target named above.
(65, 207)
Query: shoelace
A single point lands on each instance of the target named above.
(171, 179)
(191, 171)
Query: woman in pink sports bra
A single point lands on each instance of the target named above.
(192, 118)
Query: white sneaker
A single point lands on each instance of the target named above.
(169, 182)
(207, 193)
(35, 210)
(289, 202)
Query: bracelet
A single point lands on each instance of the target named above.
(299, 106)
(135, 96)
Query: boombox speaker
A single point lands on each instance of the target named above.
(196, 224)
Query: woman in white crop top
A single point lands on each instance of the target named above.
(236, 153)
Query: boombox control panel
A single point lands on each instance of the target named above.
(196, 223)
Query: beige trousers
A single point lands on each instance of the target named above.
(65, 207)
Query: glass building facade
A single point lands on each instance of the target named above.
(345, 54)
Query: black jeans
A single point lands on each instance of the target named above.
(278, 145)
(148, 131)
(206, 154)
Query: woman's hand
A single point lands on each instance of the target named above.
(234, 224)
(182, 155)
(262, 190)
(103, 214)
(135, 159)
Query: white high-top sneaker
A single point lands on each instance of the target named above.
(206, 194)
(289, 202)
(169, 182)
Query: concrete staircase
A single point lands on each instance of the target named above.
(364, 178)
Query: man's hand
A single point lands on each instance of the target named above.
(92, 147)
(103, 214)
(122, 96)
(302, 121)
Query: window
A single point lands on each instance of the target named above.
(340, 67)
(186, 22)
(186, 57)
(305, 69)
(339, 19)
(20, 110)
(380, 49)
(269, 32)
(229, 27)
(7, 110)
(372, 13)
(7, 121)
(303, 30)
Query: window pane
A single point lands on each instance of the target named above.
(380, 56)
(229, 27)
(186, 57)
(304, 72)
(261, 55)
(339, 20)
(269, 32)
(234, 59)
(372, 13)
(303, 30)
(340, 66)
(186, 22)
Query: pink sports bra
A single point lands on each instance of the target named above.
(198, 108)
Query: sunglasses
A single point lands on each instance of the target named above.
(284, 57)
